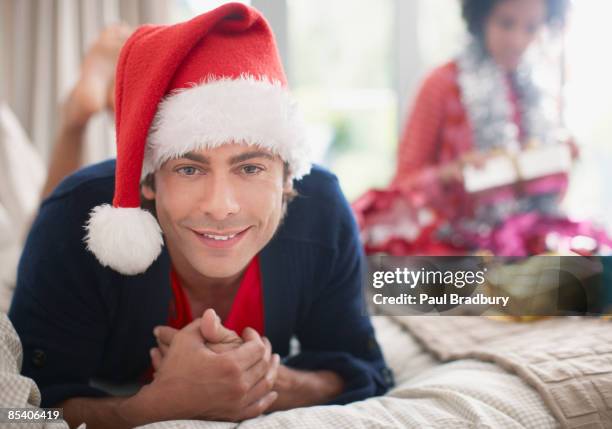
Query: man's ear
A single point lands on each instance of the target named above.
(147, 192)
(147, 188)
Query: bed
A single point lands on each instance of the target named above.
(451, 372)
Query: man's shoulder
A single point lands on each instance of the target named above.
(63, 215)
(98, 179)
(87, 187)
(319, 214)
(319, 183)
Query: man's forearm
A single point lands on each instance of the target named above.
(319, 387)
(299, 388)
(115, 412)
(95, 412)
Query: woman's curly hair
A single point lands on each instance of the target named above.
(475, 13)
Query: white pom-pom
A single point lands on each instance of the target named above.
(126, 239)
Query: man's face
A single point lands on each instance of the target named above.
(218, 207)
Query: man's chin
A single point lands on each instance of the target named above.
(221, 268)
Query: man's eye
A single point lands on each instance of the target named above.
(251, 169)
(187, 171)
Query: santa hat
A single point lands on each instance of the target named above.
(213, 80)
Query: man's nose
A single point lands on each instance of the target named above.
(220, 198)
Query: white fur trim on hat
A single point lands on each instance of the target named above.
(126, 239)
(216, 112)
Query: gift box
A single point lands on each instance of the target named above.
(507, 169)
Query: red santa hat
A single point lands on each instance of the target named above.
(213, 80)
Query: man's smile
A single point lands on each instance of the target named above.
(221, 239)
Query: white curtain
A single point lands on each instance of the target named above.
(42, 45)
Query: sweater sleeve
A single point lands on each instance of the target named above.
(337, 334)
(57, 309)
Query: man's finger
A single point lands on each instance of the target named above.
(250, 352)
(156, 358)
(267, 342)
(162, 348)
(250, 334)
(164, 334)
(265, 383)
(213, 331)
(190, 334)
(258, 407)
(255, 373)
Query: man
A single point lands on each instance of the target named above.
(204, 221)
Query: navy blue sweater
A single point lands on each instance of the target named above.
(79, 321)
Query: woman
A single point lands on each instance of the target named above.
(481, 105)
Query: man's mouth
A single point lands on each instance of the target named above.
(221, 239)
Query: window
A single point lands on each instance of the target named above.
(182, 10)
(341, 71)
(588, 108)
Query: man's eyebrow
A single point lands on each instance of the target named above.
(196, 157)
(250, 155)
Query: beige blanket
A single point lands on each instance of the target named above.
(567, 360)
(429, 394)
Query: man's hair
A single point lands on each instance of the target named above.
(149, 181)
(476, 12)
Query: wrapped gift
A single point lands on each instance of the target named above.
(393, 223)
(497, 171)
(544, 161)
(506, 169)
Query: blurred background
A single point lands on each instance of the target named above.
(354, 66)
